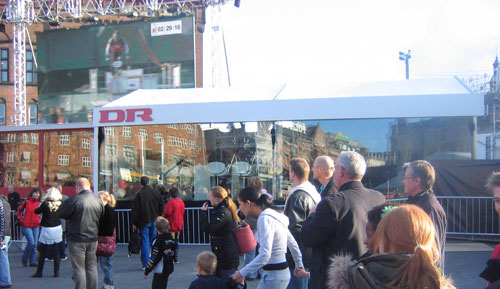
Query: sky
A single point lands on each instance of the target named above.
(280, 41)
(277, 41)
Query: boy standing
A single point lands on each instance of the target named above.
(162, 255)
(206, 263)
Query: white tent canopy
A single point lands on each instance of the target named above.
(304, 101)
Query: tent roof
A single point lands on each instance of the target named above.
(298, 101)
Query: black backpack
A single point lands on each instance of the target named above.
(134, 245)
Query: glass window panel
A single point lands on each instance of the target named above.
(64, 163)
(29, 65)
(20, 160)
(5, 76)
(2, 113)
(5, 64)
(5, 53)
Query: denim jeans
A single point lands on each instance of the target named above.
(224, 274)
(248, 257)
(4, 267)
(107, 268)
(297, 283)
(83, 264)
(31, 234)
(148, 232)
(274, 279)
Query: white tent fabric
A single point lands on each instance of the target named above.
(302, 101)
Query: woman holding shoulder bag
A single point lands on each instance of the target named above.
(223, 223)
(106, 243)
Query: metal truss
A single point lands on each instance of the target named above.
(62, 10)
(22, 13)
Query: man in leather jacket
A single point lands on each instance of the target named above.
(301, 199)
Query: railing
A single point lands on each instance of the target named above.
(468, 217)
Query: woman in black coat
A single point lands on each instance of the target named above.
(223, 223)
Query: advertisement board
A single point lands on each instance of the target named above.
(90, 66)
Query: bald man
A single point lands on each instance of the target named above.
(82, 213)
(323, 168)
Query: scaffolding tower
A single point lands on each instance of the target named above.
(22, 13)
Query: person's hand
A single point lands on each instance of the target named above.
(301, 273)
(237, 277)
(205, 206)
(145, 276)
(313, 209)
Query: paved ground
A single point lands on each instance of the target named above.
(464, 261)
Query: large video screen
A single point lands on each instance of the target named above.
(92, 65)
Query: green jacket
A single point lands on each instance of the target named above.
(373, 272)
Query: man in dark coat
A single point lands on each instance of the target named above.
(147, 205)
(418, 182)
(338, 224)
(322, 169)
(82, 213)
(14, 198)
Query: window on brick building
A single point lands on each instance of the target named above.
(63, 160)
(86, 162)
(4, 66)
(11, 177)
(31, 74)
(2, 111)
(109, 131)
(26, 137)
(127, 132)
(143, 133)
(128, 152)
(26, 157)
(110, 150)
(34, 138)
(10, 157)
(64, 140)
(33, 113)
(11, 137)
(158, 137)
(85, 143)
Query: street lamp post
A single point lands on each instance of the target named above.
(406, 57)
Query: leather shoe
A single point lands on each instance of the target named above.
(37, 275)
(33, 265)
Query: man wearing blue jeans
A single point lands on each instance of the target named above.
(82, 213)
(148, 204)
(5, 281)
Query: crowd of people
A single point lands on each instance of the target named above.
(337, 234)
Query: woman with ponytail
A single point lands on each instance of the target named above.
(223, 223)
(405, 256)
(106, 238)
(273, 237)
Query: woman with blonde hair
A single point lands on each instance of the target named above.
(106, 242)
(50, 239)
(405, 256)
(223, 223)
